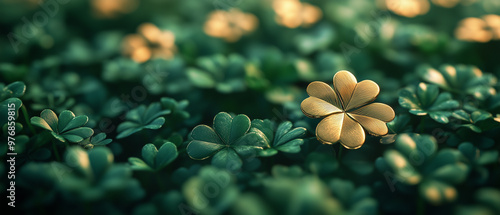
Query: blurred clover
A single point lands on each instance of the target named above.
(347, 110)
(293, 13)
(154, 159)
(416, 161)
(56, 100)
(225, 74)
(200, 189)
(177, 108)
(322, 67)
(67, 127)
(10, 95)
(141, 118)
(283, 138)
(86, 177)
(481, 30)
(315, 39)
(121, 69)
(473, 120)
(150, 42)
(229, 141)
(354, 200)
(230, 25)
(289, 192)
(461, 79)
(478, 159)
(166, 76)
(426, 100)
(96, 140)
(407, 8)
(487, 202)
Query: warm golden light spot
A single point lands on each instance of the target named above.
(293, 13)
(482, 30)
(230, 25)
(150, 42)
(408, 140)
(435, 76)
(450, 193)
(446, 3)
(433, 195)
(452, 72)
(422, 86)
(113, 8)
(399, 161)
(408, 8)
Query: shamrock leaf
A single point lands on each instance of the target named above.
(65, 128)
(142, 118)
(86, 177)
(426, 100)
(225, 74)
(194, 190)
(473, 119)
(462, 79)
(478, 159)
(13, 90)
(9, 99)
(166, 76)
(96, 140)
(487, 201)
(414, 161)
(285, 138)
(153, 158)
(355, 200)
(228, 141)
(177, 108)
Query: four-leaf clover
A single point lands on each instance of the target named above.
(346, 110)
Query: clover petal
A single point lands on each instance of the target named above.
(364, 92)
(372, 125)
(324, 92)
(378, 111)
(344, 84)
(316, 108)
(328, 130)
(352, 135)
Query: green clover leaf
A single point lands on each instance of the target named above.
(285, 138)
(414, 161)
(228, 141)
(67, 127)
(426, 100)
(153, 158)
(9, 95)
(225, 74)
(461, 79)
(142, 118)
(96, 140)
(355, 200)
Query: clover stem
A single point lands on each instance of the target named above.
(56, 151)
(339, 153)
(420, 205)
(160, 184)
(25, 113)
(421, 126)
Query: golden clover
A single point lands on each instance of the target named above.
(346, 110)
